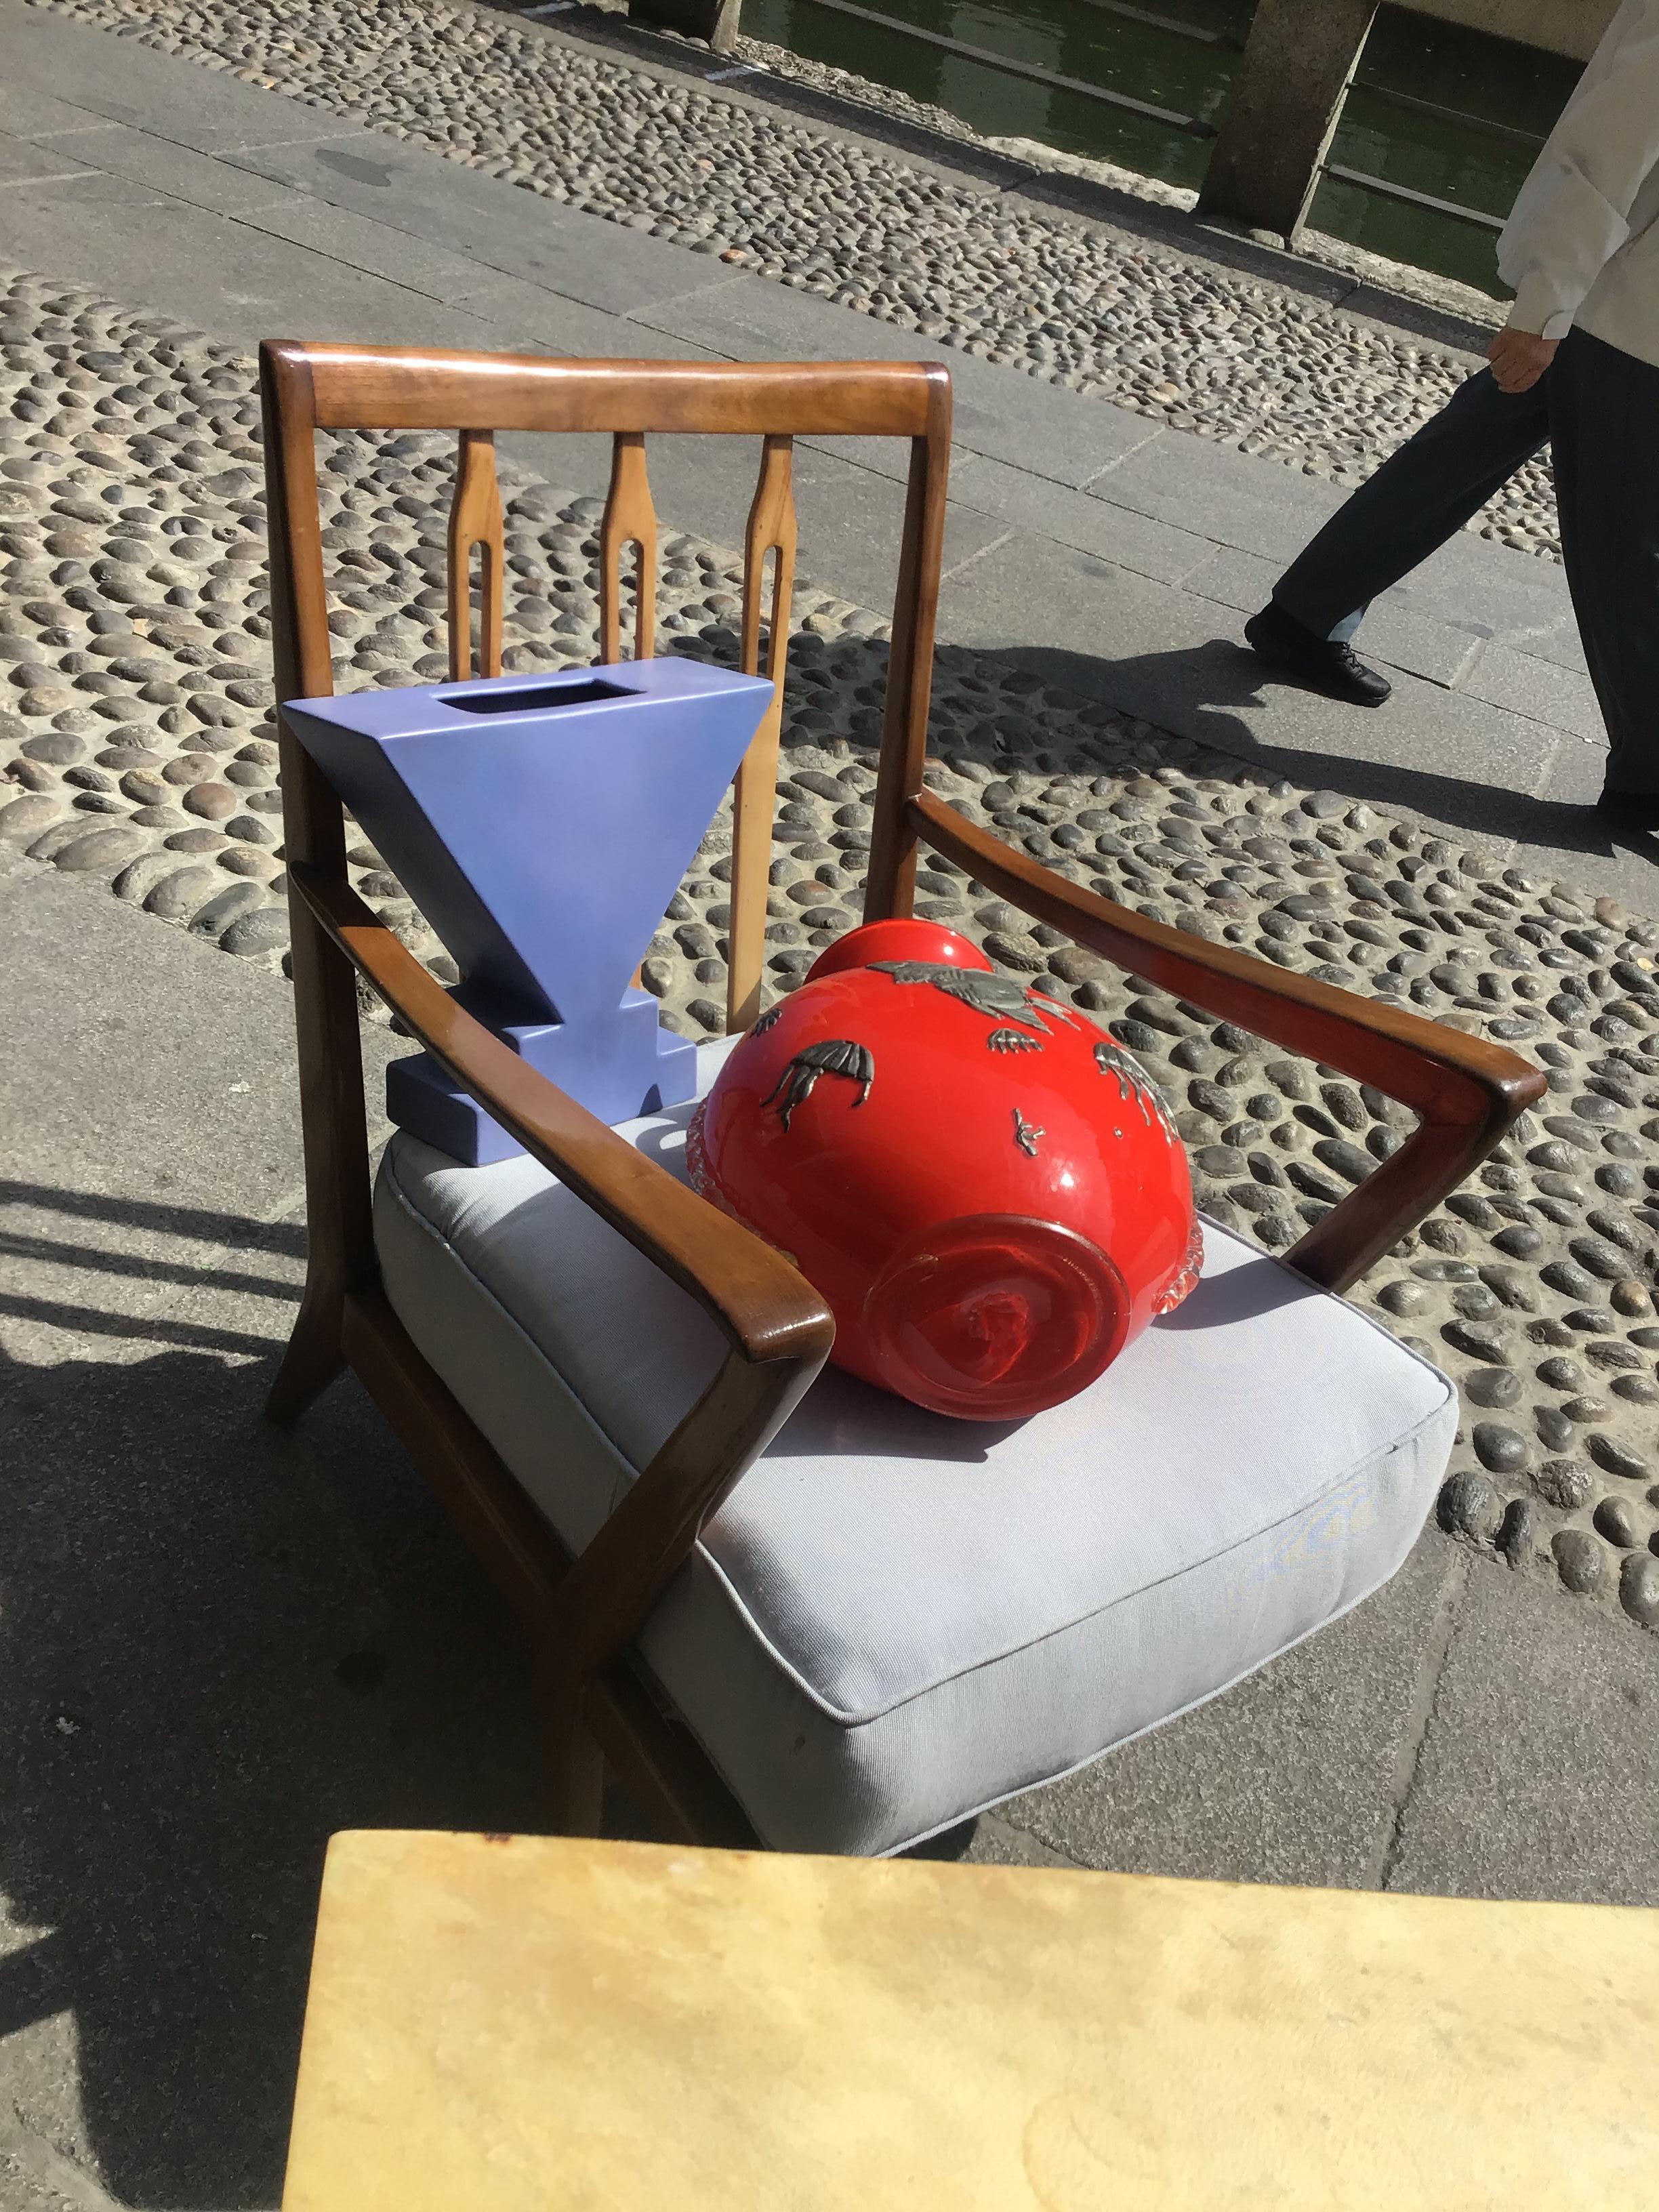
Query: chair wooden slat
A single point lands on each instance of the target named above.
(772, 530)
(475, 520)
(629, 520)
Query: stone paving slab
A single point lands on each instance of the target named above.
(1031, 427)
(1518, 599)
(853, 527)
(573, 255)
(223, 1642)
(199, 267)
(107, 80)
(1298, 1775)
(440, 272)
(1538, 1775)
(1402, 637)
(1220, 496)
(23, 162)
(28, 110)
(1041, 431)
(1407, 629)
(1555, 642)
(1555, 841)
(1171, 656)
(1503, 675)
(1234, 578)
(160, 165)
(1118, 534)
(101, 1239)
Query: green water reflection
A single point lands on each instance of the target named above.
(1511, 86)
(1070, 37)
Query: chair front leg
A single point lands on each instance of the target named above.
(339, 1236)
(595, 1612)
(575, 1765)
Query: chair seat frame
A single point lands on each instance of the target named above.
(584, 1614)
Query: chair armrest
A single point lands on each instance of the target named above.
(779, 1328)
(1466, 1092)
(767, 1310)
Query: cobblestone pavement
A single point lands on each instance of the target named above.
(136, 745)
(1268, 371)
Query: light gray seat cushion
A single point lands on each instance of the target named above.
(897, 1619)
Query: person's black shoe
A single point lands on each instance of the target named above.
(1322, 663)
(1630, 809)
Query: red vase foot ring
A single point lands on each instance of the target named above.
(995, 1317)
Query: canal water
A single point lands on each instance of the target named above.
(1446, 114)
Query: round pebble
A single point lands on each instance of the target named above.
(226, 904)
(1518, 1531)
(177, 897)
(1638, 1588)
(265, 930)
(1579, 1561)
(1616, 1457)
(1500, 1450)
(1615, 1519)
(1565, 1484)
(1493, 1387)
(99, 850)
(1469, 1507)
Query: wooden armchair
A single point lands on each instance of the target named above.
(824, 1620)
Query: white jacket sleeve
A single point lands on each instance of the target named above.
(1572, 214)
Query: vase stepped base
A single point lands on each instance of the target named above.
(618, 1068)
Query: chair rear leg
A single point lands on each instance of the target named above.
(315, 1354)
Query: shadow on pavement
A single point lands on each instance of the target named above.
(1211, 680)
(221, 1643)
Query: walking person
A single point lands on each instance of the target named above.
(1577, 366)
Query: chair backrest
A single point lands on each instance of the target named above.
(341, 387)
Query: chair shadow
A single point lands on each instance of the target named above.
(221, 1643)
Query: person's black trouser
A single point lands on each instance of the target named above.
(1599, 411)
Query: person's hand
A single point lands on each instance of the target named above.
(1518, 359)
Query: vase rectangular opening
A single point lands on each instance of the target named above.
(525, 698)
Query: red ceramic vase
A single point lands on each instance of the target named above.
(986, 1189)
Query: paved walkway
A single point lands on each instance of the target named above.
(222, 1643)
(1117, 554)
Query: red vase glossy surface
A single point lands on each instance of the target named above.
(986, 1189)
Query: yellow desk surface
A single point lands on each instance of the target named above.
(546, 2023)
